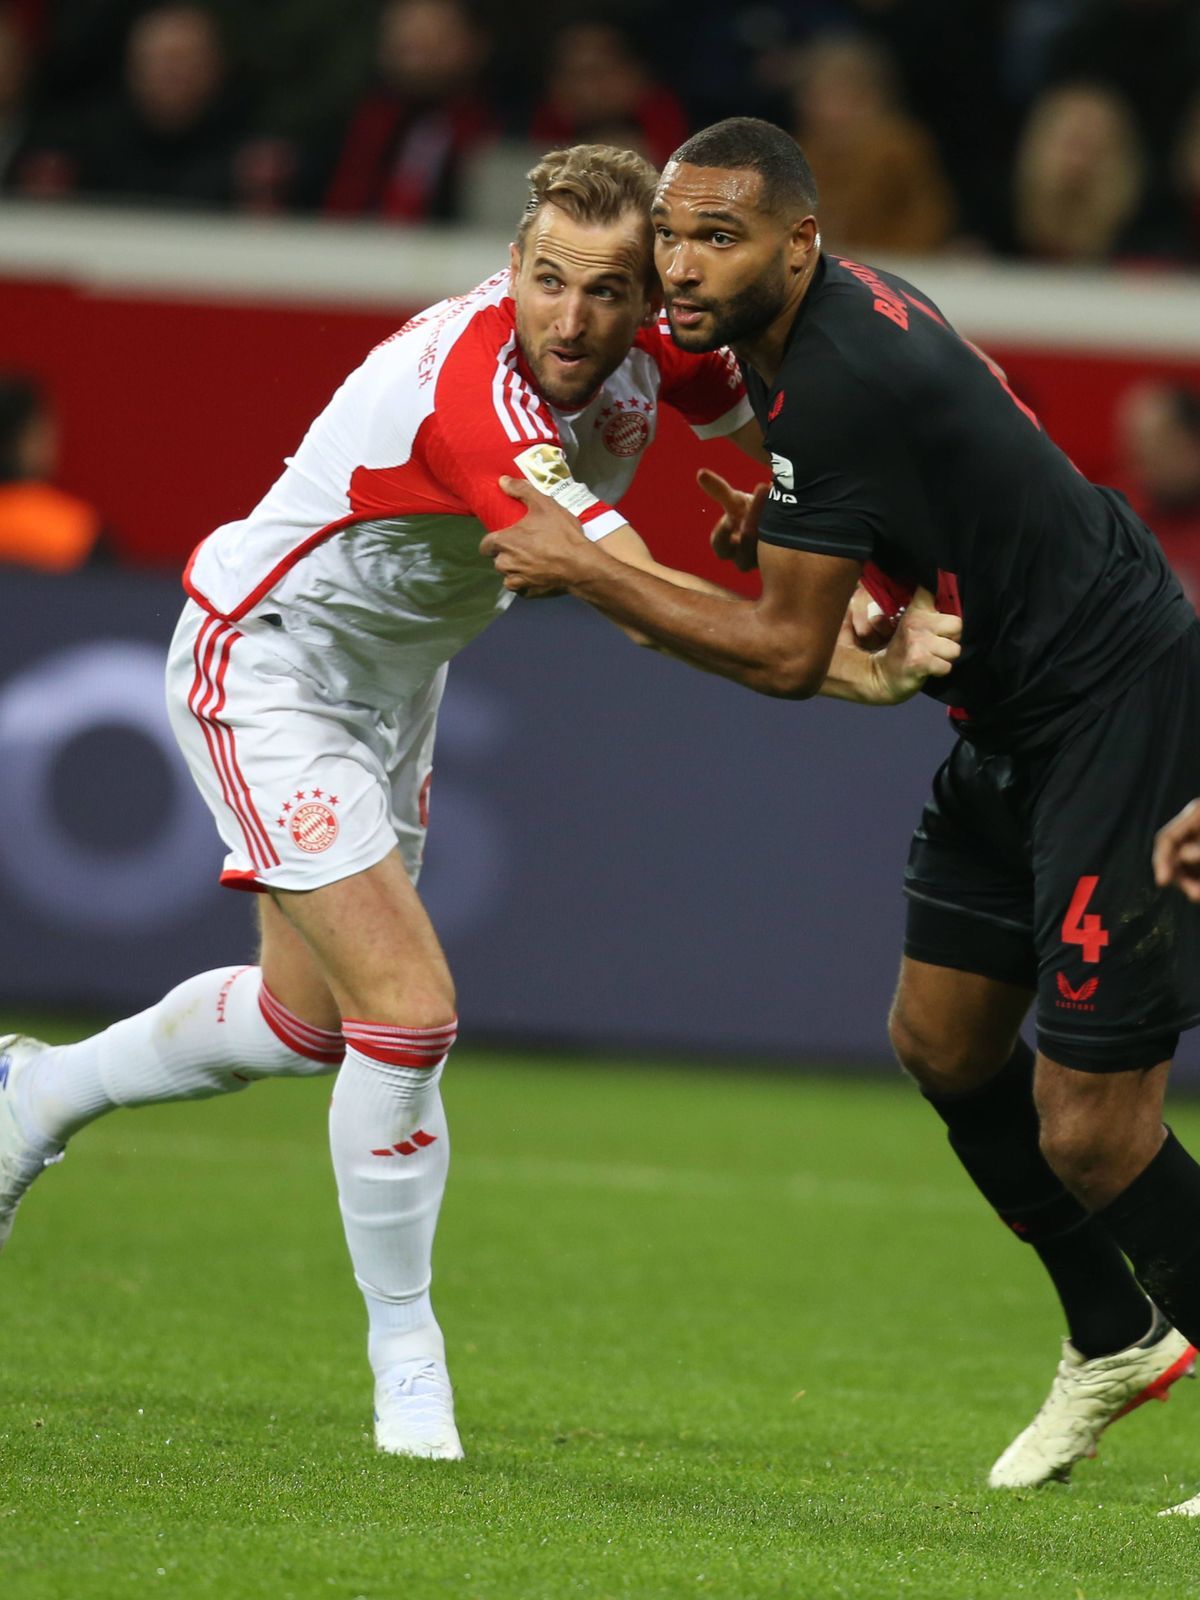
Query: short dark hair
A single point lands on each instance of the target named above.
(751, 144)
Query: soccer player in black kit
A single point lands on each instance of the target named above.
(901, 457)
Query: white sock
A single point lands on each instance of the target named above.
(391, 1153)
(213, 1034)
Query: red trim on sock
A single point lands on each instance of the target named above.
(400, 1047)
(317, 1044)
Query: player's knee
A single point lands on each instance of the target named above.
(406, 1000)
(1095, 1138)
(913, 1047)
(434, 1007)
(941, 1058)
(1095, 1155)
(435, 999)
(1078, 1150)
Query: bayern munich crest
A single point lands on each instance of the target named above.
(624, 428)
(310, 820)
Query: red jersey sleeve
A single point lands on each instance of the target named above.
(489, 421)
(707, 390)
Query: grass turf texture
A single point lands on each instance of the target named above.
(714, 1334)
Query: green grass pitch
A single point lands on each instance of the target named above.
(714, 1334)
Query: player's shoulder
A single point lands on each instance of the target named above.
(454, 347)
(864, 338)
(473, 323)
(856, 305)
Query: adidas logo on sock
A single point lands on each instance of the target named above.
(410, 1146)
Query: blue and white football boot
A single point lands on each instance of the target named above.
(22, 1155)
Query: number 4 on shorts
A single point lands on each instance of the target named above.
(1086, 931)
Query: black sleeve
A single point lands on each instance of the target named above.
(842, 479)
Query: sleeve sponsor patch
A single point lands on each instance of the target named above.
(546, 468)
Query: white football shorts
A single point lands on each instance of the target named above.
(304, 790)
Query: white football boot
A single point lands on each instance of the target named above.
(22, 1156)
(414, 1411)
(1085, 1397)
(1186, 1508)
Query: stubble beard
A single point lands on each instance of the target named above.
(741, 317)
(560, 389)
(556, 392)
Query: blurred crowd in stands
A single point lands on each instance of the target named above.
(1050, 130)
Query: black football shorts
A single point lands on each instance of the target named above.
(1034, 869)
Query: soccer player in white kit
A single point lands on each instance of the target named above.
(304, 681)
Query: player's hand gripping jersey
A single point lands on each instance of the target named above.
(362, 564)
(895, 442)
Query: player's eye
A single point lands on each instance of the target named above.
(549, 281)
(723, 238)
(662, 233)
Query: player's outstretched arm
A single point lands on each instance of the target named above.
(1177, 852)
(628, 546)
(780, 644)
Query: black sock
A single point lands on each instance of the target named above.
(1156, 1221)
(994, 1133)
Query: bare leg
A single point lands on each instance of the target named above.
(951, 1030)
(957, 1034)
(1104, 1135)
(374, 949)
(1100, 1131)
(291, 971)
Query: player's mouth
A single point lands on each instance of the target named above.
(686, 313)
(566, 359)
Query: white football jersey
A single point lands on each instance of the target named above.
(361, 565)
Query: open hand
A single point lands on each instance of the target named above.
(735, 534)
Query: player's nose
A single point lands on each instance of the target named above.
(571, 321)
(678, 264)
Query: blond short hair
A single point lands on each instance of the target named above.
(591, 184)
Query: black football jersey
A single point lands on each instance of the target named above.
(897, 443)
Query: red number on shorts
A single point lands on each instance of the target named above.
(1087, 932)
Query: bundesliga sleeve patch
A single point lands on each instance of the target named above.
(545, 466)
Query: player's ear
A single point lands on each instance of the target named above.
(514, 266)
(654, 303)
(805, 242)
